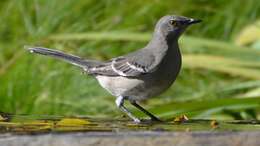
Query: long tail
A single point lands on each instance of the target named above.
(75, 60)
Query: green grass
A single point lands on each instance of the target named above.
(216, 72)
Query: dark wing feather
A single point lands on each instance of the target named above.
(128, 66)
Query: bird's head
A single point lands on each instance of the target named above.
(172, 26)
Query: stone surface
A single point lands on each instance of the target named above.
(135, 139)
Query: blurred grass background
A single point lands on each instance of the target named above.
(221, 56)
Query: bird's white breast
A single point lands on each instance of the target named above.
(117, 85)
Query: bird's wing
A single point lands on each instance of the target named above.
(128, 66)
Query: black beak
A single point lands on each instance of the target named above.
(194, 21)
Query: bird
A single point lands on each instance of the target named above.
(141, 74)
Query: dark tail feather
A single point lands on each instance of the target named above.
(75, 60)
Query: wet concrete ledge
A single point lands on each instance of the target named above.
(27, 130)
(207, 138)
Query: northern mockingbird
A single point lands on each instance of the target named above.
(141, 74)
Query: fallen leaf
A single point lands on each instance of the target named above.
(181, 119)
(2, 118)
(39, 123)
(214, 124)
(72, 122)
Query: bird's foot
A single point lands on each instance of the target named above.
(136, 120)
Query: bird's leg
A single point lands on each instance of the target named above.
(153, 118)
(120, 105)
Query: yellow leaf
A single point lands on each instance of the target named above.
(72, 122)
(38, 123)
(249, 34)
(2, 118)
(181, 119)
(214, 124)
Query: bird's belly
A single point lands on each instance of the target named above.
(118, 85)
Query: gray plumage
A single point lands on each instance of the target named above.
(141, 74)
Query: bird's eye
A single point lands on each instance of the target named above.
(174, 23)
